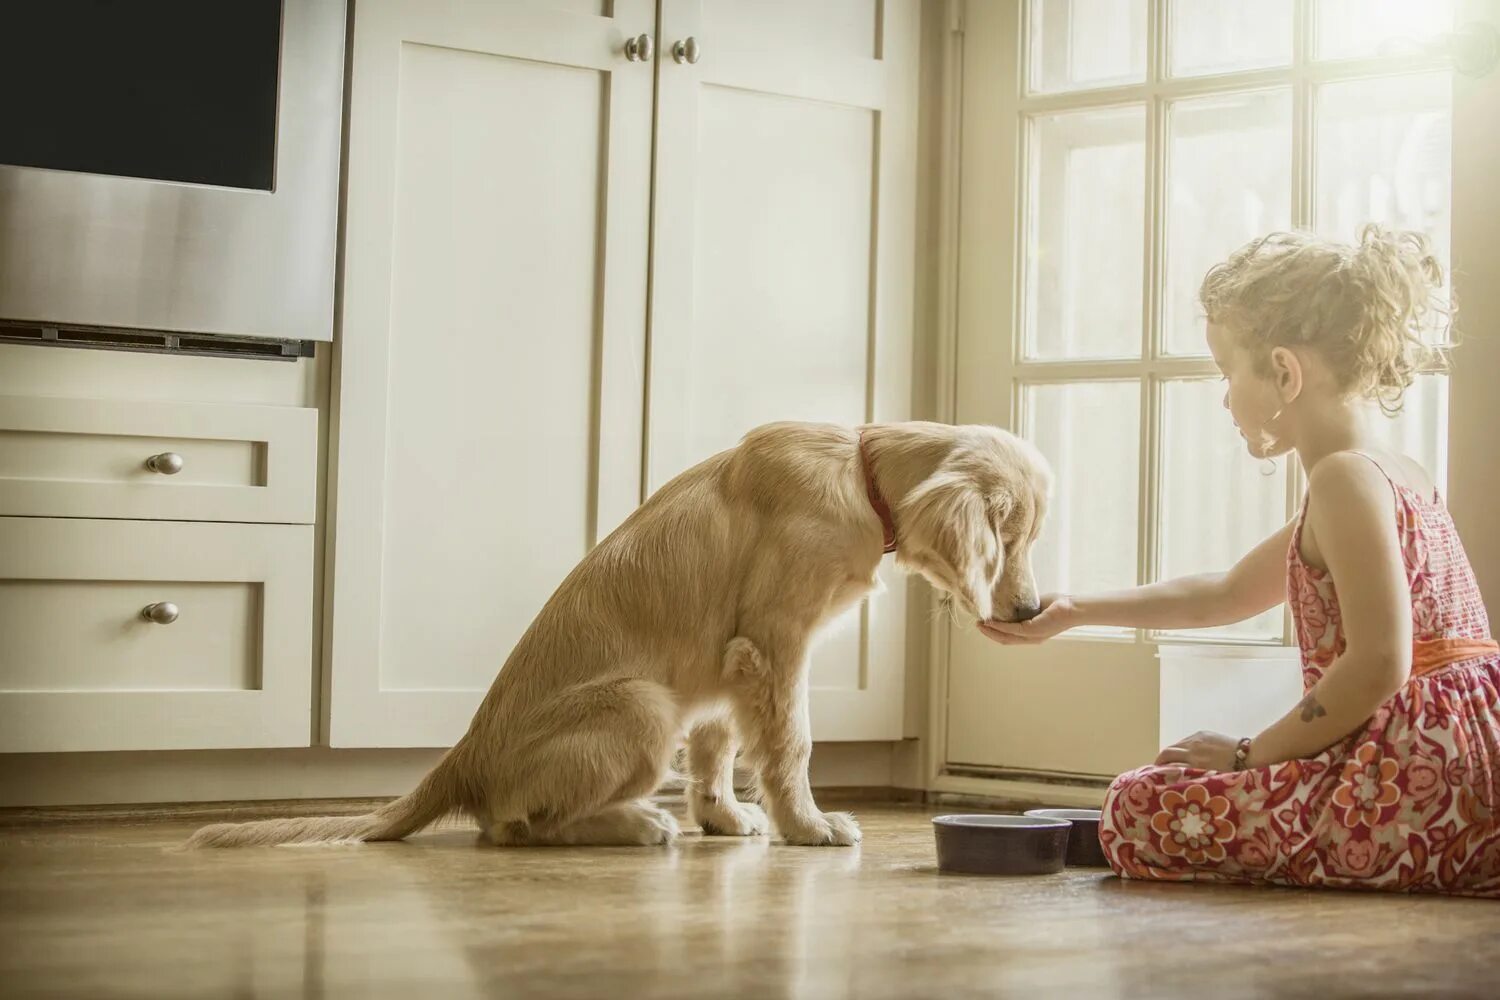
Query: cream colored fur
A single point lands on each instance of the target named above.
(694, 620)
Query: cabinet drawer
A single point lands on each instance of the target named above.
(227, 663)
(157, 460)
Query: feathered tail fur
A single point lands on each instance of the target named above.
(435, 796)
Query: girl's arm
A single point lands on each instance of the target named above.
(1255, 583)
(1349, 520)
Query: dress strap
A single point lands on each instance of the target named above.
(1306, 496)
(1395, 486)
(1371, 459)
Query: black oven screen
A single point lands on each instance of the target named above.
(172, 90)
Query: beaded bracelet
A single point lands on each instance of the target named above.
(1242, 754)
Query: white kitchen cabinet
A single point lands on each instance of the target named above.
(157, 562)
(224, 660)
(782, 264)
(492, 344)
(499, 405)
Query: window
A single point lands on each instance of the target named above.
(1153, 137)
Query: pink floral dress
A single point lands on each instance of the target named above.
(1407, 803)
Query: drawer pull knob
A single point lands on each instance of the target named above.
(162, 612)
(168, 463)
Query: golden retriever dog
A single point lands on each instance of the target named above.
(694, 619)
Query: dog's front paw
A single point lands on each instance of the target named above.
(730, 819)
(827, 830)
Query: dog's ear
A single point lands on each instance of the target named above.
(947, 515)
(999, 505)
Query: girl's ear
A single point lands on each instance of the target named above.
(1286, 372)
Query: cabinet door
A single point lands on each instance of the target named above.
(782, 263)
(490, 358)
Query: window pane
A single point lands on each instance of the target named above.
(1085, 230)
(1090, 432)
(1229, 180)
(1420, 430)
(1217, 502)
(1351, 29)
(1077, 44)
(1222, 36)
(1385, 154)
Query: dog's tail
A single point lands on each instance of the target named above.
(436, 795)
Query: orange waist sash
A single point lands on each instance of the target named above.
(1431, 655)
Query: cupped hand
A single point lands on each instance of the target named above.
(1056, 616)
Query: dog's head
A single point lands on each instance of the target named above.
(969, 526)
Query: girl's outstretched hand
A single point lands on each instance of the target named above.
(1057, 615)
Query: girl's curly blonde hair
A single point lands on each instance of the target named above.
(1372, 309)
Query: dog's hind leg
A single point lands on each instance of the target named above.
(625, 824)
(578, 768)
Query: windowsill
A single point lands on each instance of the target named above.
(1206, 641)
(1237, 689)
(1216, 641)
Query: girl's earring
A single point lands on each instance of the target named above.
(1269, 469)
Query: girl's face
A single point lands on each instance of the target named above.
(1250, 397)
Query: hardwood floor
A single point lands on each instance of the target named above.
(107, 909)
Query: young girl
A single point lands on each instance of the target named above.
(1387, 774)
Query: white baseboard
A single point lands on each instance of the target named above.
(68, 779)
(1016, 793)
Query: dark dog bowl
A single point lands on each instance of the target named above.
(984, 844)
(1084, 850)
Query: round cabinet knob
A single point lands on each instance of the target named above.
(686, 51)
(638, 49)
(168, 463)
(162, 612)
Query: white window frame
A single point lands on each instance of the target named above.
(996, 125)
(978, 311)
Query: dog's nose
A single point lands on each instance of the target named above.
(1026, 612)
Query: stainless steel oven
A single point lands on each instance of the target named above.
(170, 166)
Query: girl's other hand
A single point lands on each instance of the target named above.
(1057, 615)
(1203, 751)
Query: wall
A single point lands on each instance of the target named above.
(1474, 403)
